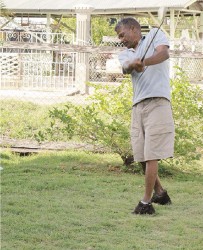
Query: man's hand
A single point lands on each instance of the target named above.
(136, 65)
(161, 54)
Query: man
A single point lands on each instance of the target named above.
(152, 127)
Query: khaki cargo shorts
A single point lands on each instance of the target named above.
(152, 130)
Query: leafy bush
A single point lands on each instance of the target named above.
(106, 119)
(104, 122)
(187, 102)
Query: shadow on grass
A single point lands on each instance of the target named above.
(93, 162)
(169, 170)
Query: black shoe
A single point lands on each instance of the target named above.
(162, 199)
(144, 209)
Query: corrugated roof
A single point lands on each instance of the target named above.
(99, 5)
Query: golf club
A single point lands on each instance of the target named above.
(161, 15)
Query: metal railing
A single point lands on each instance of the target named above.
(36, 37)
(41, 70)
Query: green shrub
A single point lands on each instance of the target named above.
(187, 102)
(105, 120)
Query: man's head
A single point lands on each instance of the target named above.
(129, 32)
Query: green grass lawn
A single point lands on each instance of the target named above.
(83, 201)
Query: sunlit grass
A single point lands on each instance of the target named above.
(78, 200)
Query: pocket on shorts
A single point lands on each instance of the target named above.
(162, 129)
(162, 139)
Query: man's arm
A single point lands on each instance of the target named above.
(161, 54)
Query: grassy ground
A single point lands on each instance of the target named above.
(21, 120)
(81, 201)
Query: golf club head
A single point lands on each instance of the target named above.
(161, 13)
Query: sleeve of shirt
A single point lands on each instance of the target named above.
(160, 38)
(123, 59)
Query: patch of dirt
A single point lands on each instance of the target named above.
(33, 146)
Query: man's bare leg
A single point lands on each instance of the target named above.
(157, 187)
(145, 206)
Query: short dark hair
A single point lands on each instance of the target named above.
(129, 22)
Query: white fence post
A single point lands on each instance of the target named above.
(83, 13)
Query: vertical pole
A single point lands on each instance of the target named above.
(83, 15)
(201, 27)
(172, 37)
(172, 27)
(201, 35)
(48, 28)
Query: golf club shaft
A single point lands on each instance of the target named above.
(151, 41)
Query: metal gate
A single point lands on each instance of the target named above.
(37, 69)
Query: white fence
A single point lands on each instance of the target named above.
(37, 37)
(49, 67)
(41, 70)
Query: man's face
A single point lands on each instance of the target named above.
(129, 36)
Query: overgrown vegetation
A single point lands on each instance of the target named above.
(106, 119)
